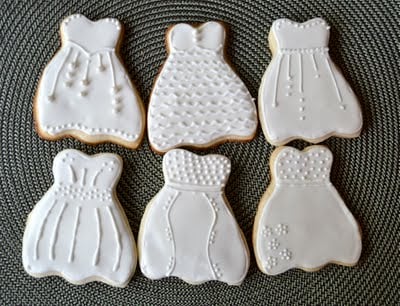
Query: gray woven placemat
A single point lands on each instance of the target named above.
(364, 43)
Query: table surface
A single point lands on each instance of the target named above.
(364, 43)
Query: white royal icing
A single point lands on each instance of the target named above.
(85, 87)
(303, 222)
(187, 224)
(303, 94)
(78, 230)
(197, 99)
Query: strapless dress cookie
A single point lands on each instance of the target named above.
(188, 229)
(303, 95)
(302, 222)
(78, 230)
(197, 99)
(85, 91)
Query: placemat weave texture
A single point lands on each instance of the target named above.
(365, 41)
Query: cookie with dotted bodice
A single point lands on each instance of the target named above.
(85, 91)
(185, 227)
(301, 221)
(303, 95)
(78, 230)
(197, 99)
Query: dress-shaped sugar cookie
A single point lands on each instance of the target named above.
(78, 230)
(85, 91)
(303, 94)
(197, 99)
(301, 221)
(188, 229)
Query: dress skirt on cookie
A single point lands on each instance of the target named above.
(78, 229)
(85, 91)
(198, 100)
(303, 94)
(303, 222)
(188, 229)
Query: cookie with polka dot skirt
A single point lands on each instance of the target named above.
(185, 228)
(303, 95)
(78, 230)
(302, 222)
(85, 91)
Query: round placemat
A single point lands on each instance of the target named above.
(364, 43)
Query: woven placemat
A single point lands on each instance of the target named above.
(364, 43)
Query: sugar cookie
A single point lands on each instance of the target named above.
(85, 92)
(301, 221)
(303, 95)
(188, 229)
(78, 230)
(197, 99)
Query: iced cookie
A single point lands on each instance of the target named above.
(188, 229)
(78, 230)
(301, 221)
(85, 91)
(197, 99)
(303, 95)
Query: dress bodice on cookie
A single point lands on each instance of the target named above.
(92, 36)
(78, 172)
(184, 37)
(182, 168)
(310, 167)
(311, 34)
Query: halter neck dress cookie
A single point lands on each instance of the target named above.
(197, 99)
(85, 91)
(303, 95)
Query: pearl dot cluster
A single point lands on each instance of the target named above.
(79, 193)
(281, 229)
(267, 231)
(273, 244)
(181, 166)
(311, 166)
(285, 254)
(271, 262)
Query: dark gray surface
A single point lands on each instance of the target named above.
(364, 43)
